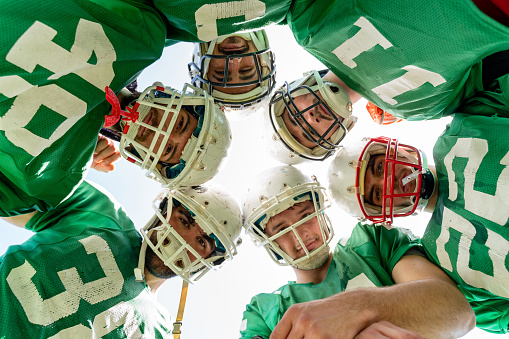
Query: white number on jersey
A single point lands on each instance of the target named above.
(491, 207)
(36, 47)
(121, 314)
(367, 38)
(207, 15)
(45, 312)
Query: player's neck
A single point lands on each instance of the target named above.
(313, 276)
(430, 207)
(153, 282)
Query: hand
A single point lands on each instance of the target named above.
(340, 316)
(105, 155)
(385, 329)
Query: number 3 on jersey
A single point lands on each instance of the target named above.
(47, 311)
(492, 207)
(36, 47)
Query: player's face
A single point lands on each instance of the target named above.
(184, 224)
(182, 130)
(240, 70)
(309, 231)
(318, 117)
(374, 181)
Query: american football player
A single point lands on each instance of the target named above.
(86, 272)
(180, 137)
(308, 118)
(285, 213)
(238, 70)
(380, 179)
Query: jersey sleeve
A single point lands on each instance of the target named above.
(88, 201)
(492, 101)
(260, 317)
(386, 246)
(55, 62)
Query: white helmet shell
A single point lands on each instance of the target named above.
(274, 191)
(204, 152)
(347, 173)
(216, 213)
(282, 145)
(242, 105)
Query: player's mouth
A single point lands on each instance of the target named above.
(410, 186)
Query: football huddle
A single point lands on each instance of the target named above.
(73, 107)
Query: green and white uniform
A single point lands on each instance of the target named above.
(468, 234)
(74, 278)
(205, 20)
(416, 60)
(56, 58)
(365, 260)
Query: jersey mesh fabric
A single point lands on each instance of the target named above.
(468, 233)
(365, 260)
(77, 274)
(415, 60)
(201, 20)
(57, 58)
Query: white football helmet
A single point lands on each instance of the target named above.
(204, 152)
(216, 213)
(274, 191)
(282, 145)
(242, 105)
(347, 174)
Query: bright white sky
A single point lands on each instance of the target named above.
(215, 304)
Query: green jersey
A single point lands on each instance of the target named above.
(415, 59)
(200, 20)
(468, 234)
(74, 278)
(366, 259)
(56, 59)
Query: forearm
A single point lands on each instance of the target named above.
(431, 308)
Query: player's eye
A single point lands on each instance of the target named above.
(378, 194)
(246, 70)
(184, 222)
(180, 124)
(380, 168)
(168, 149)
(202, 242)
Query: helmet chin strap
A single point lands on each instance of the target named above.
(180, 313)
(314, 261)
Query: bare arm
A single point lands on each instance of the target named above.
(20, 220)
(424, 300)
(354, 96)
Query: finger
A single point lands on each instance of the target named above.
(102, 167)
(105, 153)
(283, 328)
(102, 143)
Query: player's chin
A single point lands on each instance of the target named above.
(156, 267)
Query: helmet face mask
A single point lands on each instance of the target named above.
(296, 114)
(190, 110)
(214, 211)
(286, 124)
(406, 183)
(276, 192)
(395, 155)
(238, 103)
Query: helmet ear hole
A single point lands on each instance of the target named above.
(334, 89)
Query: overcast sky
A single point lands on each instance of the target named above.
(215, 304)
